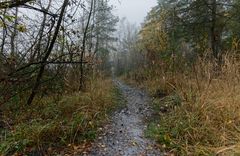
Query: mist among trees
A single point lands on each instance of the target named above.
(63, 64)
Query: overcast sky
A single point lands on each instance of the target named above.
(133, 10)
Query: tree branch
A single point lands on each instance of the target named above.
(40, 10)
(13, 3)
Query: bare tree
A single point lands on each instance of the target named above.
(48, 52)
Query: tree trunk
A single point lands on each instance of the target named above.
(4, 34)
(37, 52)
(48, 52)
(14, 34)
(213, 32)
(83, 48)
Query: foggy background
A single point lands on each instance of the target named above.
(134, 10)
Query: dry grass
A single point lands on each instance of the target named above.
(49, 123)
(208, 120)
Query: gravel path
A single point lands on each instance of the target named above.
(124, 136)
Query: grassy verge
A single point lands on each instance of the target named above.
(50, 125)
(200, 113)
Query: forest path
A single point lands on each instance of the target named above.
(124, 135)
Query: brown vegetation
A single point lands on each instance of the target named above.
(68, 121)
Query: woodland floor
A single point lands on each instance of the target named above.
(124, 135)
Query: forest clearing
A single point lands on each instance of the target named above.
(79, 78)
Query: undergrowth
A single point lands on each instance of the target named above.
(51, 123)
(197, 109)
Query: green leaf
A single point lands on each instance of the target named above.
(21, 28)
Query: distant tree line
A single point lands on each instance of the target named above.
(176, 32)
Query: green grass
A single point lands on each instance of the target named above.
(49, 123)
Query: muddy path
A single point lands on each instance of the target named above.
(124, 135)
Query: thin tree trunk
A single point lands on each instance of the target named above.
(93, 26)
(4, 33)
(214, 34)
(48, 52)
(14, 33)
(37, 51)
(81, 86)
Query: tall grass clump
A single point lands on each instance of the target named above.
(199, 113)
